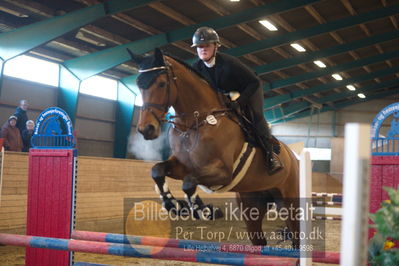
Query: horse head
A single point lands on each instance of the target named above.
(155, 88)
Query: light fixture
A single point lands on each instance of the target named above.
(351, 87)
(234, 0)
(13, 12)
(319, 64)
(298, 47)
(84, 37)
(337, 76)
(361, 95)
(268, 25)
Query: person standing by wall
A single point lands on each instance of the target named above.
(27, 135)
(21, 115)
(11, 135)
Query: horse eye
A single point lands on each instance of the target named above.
(162, 84)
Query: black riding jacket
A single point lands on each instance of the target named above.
(230, 74)
(22, 117)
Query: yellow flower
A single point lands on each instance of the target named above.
(387, 201)
(388, 244)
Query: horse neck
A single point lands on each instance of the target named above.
(193, 92)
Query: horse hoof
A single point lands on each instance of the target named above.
(170, 206)
(210, 213)
(217, 213)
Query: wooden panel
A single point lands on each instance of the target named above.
(297, 147)
(337, 160)
(102, 185)
(323, 182)
(1, 166)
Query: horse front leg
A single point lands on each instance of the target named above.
(198, 209)
(173, 169)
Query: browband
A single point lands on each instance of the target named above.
(152, 69)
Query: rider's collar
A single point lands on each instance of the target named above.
(211, 63)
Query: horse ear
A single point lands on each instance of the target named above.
(158, 55)
(135, 57)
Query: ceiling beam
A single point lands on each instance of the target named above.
(375, 96)
(249, 31)
(169, 12)
(334, 50)
(331, 70)
(366, 30)
(279, 113)
(89, 65)
(55, 51)
(25, 38)
(362, 89)
(274, 101)
(279, 40)
(392, 18)
(282, 52)
(313, 12)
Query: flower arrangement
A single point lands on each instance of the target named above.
(384, 246)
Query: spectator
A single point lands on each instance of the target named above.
(11, 135)
(27, 135)
(21, 115)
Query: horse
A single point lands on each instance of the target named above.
(208, 145)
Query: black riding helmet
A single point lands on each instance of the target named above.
(205, 35)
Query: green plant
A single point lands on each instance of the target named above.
(384, 246)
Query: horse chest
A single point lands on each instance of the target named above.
(193, 150)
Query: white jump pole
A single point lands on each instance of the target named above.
(305, 196)
(356, 195)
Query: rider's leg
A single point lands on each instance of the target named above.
(263, 130)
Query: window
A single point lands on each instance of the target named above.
(100, 87)
(33, 69)
(139, 100)
(45, 72)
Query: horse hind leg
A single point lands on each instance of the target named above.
(259, 200)
(291, 201)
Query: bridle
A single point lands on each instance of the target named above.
(164, 106)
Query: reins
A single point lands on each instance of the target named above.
(164, 107)
(161, 107)
(183, 130)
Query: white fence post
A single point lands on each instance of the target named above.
(305, 194)
(355, 195)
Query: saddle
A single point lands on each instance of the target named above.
(244, 118)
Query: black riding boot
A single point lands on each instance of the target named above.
(273, 165)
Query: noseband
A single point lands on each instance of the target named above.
(161, 107)
(199, 119)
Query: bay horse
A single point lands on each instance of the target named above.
(208, 144)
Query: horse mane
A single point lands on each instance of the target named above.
(189, 67)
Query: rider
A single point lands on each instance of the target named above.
(226, 74)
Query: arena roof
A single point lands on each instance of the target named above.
(356, 39)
